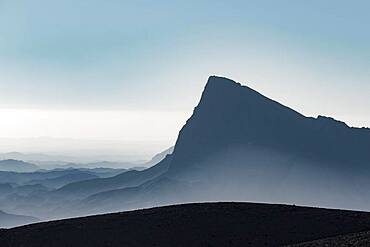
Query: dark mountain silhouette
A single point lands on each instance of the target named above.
(50, 161)
(17, 166)
(230, 115)
(11, 220)
(241, 145)
(208, 224)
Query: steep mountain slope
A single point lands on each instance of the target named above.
(11, 220)
(17, 166)
(241, 145)
(208, 224)
(230, 115)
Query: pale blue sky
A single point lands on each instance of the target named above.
(155, 56)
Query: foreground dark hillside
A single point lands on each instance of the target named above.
(206, 224)
(360, 239)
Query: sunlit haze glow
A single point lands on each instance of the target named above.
(120, 131)
(132, 71)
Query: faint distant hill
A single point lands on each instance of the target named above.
(37, 157)
(11, 220)
(17, 166)
(55, 183)
(51, 161)
(97, 164)
(57, 177)
(123, 180)
(133, 177)
(138, 165)
(159, 157)
(46, 161)
(22, 156)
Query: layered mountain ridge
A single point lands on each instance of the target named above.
(241, 145)
(13, 165)
(237, 146)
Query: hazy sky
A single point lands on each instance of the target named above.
(134, 70)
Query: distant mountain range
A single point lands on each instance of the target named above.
(12, 165)
(28, 192)
(47, 161)
(47, 176)
(123, 180)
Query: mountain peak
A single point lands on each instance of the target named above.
(220, 80)
(223, 93)
(223, 96)
(230, 115)
(222, 84)
(227, 91)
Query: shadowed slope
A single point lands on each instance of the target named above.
(208, 224)
(230, 115)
